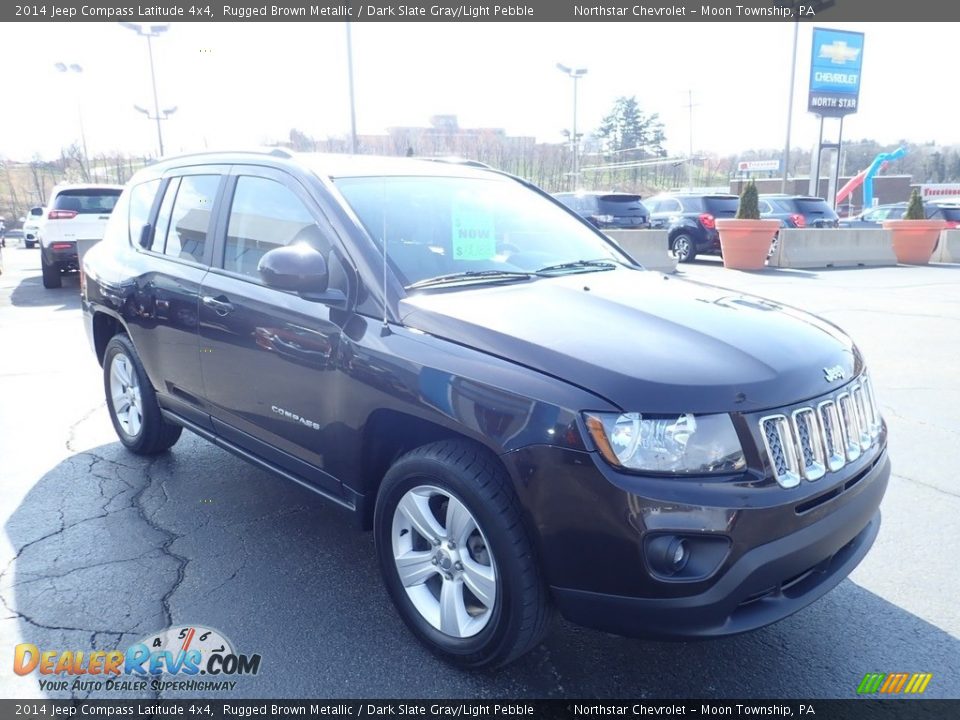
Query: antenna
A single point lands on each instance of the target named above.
(385, 330)
(690, 106)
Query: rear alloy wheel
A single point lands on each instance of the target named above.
(51, 274)
(132, 401)
(456, 557)
(682, 248)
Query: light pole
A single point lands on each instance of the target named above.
(353, 107)
(161, 115)
(150, 32)
(575, 74)
(73, 67)
(793, 75)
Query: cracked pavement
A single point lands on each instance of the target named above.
(101, 548)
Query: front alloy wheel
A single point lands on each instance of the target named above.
(444, 561)
(457, 557)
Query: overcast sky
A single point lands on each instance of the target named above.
(241, 84)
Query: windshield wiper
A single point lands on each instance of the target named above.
(470, 275)
(579, 266)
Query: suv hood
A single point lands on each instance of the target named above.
(644, 341)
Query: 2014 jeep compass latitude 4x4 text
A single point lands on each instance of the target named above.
(525, 418)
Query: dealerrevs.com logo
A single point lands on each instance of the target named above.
(185, 652)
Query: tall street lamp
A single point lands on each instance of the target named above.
(73, 67)
(575, 74)
(150, 32)
(353, 107)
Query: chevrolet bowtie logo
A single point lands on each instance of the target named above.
(839, 53)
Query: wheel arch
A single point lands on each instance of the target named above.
(105, 326)
(386, 436)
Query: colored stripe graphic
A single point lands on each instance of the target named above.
(870, 683)
(893, 683)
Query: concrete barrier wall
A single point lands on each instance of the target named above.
(650, 248)
(840, 247)
(948, 249)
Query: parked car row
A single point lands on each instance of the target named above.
(690, 218)
(874, 217)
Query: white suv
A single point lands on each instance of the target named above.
(75, 214)
(31, 226)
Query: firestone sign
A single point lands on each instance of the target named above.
(835, 72)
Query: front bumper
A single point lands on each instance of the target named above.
(782, 556)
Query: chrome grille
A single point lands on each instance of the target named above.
(851, 425)
(783, 455)
(810, 443)
(832, 435)
(823, 438)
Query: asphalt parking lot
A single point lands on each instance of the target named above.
(100, 548)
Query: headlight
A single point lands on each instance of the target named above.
(684, 444)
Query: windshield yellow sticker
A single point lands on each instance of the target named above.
(473, 236)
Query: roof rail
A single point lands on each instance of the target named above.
(256, 150)
(453, 160)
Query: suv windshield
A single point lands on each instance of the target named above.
(88, 200)
(444, 226)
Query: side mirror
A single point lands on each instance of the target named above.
(297, 267)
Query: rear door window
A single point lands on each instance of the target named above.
(183, 223)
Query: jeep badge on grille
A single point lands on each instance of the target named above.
(832, 374)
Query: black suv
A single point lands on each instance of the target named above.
(690, 221)
(525, 418)
(798, 211)
(613, 210)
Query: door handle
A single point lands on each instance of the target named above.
(220, 306)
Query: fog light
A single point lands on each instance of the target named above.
(667, 554)
(679, 555)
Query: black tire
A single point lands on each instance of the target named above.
(30, 244)
(682, 246)
(521, 612)
(155, 435)
(51, 275)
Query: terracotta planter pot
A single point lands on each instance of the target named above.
(914, 240)
(745, 243)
